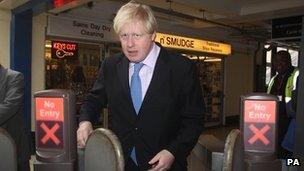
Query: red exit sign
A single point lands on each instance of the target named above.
(60, 3)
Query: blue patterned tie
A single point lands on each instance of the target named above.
(136, 94)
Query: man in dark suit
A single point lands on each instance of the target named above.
(153, 96)
(11, 116)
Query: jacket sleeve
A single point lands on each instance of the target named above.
(13, 96)
(192, 114)
(96, 99)
(291, 106)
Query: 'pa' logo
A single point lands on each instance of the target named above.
(293, 162)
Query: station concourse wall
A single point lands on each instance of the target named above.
(5, 19)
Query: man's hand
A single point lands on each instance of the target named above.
(162, 161)
(83, 132)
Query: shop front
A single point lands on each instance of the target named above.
(74, 51)
(210, 59)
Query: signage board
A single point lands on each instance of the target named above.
(49, 122)
(185, 43)
(55, 130)
(287, 28)
(61, 50)
(259, 125)
(81, 29)
(103, 31)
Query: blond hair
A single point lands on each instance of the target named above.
(134, 11)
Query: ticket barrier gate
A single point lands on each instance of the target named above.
(8, 151)
(254, 147)
(103, 152)
(233, 158)
(259, 131)
(55, 130)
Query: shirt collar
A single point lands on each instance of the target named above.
(151, 58)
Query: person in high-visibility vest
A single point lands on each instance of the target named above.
(282, 85)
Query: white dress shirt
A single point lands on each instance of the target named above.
(147, 70)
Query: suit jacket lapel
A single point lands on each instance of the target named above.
(160, 76)
(122, 68)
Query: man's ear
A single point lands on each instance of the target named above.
(153, 36)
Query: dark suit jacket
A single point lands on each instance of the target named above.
(11, 115)
(171, 115)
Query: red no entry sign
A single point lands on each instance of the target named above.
(49, 122)
(259, 125)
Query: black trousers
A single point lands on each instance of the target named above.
(130, 165)
(284, 154)
(23, 166)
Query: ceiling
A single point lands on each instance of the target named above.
(211, 19)
(249, 19)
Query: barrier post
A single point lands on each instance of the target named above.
(259, 129)
(55, 130)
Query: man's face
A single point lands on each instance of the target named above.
(135, 42)
(281, 64)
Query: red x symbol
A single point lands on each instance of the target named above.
(259, 134)
(50, 133)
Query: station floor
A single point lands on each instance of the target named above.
(213, 138)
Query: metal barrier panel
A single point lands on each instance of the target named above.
(217, 161)
(233, 159)
(55, 130)
(8, 152)
(103, 152)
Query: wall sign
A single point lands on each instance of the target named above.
(287, 28)
(62, 50)
(81, 29)
(179, 42)
(98, 31)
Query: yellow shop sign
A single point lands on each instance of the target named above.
(179, 42)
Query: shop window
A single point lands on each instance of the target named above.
(268, 74)
(77, 73)
(280, 48)
(268, 65)
(294, 57)
(211, 75)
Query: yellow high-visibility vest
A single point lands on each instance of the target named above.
(290, 85)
